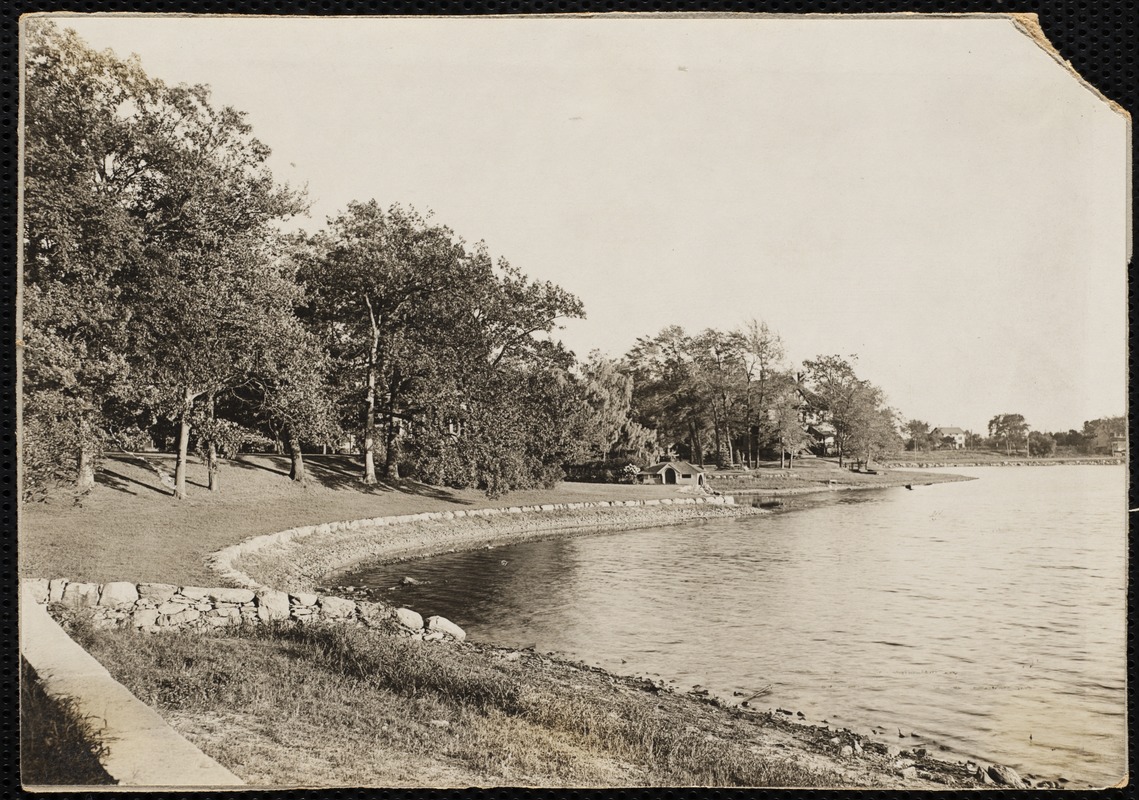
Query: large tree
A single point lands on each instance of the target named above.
(80, 237)
(375, 286)
(1009, 427)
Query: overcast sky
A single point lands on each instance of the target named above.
(938, 196)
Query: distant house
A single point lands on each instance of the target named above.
(1119, 445)
(672, 473)
(822, 434)
(955, 435)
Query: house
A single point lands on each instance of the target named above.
(955, 435)
(823, 434)
(673, 473)
(1119, 445)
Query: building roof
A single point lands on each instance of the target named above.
(679, 466)
(950, 431)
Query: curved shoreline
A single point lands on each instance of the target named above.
(299, 560)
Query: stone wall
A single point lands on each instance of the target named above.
(155, 607)
(228, 562)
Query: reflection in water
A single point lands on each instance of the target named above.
(987, 618)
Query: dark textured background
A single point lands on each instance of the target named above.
(1098, 38)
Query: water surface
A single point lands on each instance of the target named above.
(987, 617)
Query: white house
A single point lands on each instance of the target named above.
(956, 435)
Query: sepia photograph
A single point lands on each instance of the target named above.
(616, 400)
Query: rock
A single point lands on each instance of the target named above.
(303, 599)
(186, 615)
(920, 752)
(55, 589)
(984, 778)
(909, 773)
(1006, 776)
(434, 636)
(446, 626)
(847, 752)
(337, 607)
(409, 619)
(231, 595)
(858, 749)
(144, 618)
(81, 595)
(38, 589)
(158, 592)
(892, 751)
(407, 581)
(194, 592)
(118, 593)
(373, 613)
(835, 740)
(171, 607)
(272, 604)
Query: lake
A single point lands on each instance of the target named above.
(986, 618)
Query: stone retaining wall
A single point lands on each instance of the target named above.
(155, 607)
(229, 562)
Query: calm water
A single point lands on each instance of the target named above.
(987, 617)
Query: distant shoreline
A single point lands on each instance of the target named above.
(1018, 462)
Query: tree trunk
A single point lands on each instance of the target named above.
(790, 458)
(183, 447)
(391, 466)
(85, 472)
(297, 465)
(370, 420)
(212, 470)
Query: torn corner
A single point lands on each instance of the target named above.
(1029, 25)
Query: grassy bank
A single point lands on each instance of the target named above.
(130, 528)
(308, 705)
(815, 475)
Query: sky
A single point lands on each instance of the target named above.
(939, 197)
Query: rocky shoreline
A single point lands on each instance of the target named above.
(313, 562)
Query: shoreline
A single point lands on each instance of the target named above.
(1011, 462)
(307, 558)
(313, 562)
(299, 557)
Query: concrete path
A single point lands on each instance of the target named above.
(142, 749)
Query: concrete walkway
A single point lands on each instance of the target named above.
(143, 751)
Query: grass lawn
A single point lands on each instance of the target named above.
(129, 527)
(315, 705)
(813, 473)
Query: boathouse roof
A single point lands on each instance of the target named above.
(679, 466)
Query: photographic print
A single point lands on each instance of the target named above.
(570, 401)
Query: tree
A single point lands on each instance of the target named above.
(1009, 427)
(765, 378)
(667, 392)
(919, 432)
(877, 430)
(1041, 444)
(610, 432)
(79, 240)
(373, 286)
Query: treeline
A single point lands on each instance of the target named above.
(731, 397)
(1011, 433)
(165, 306)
